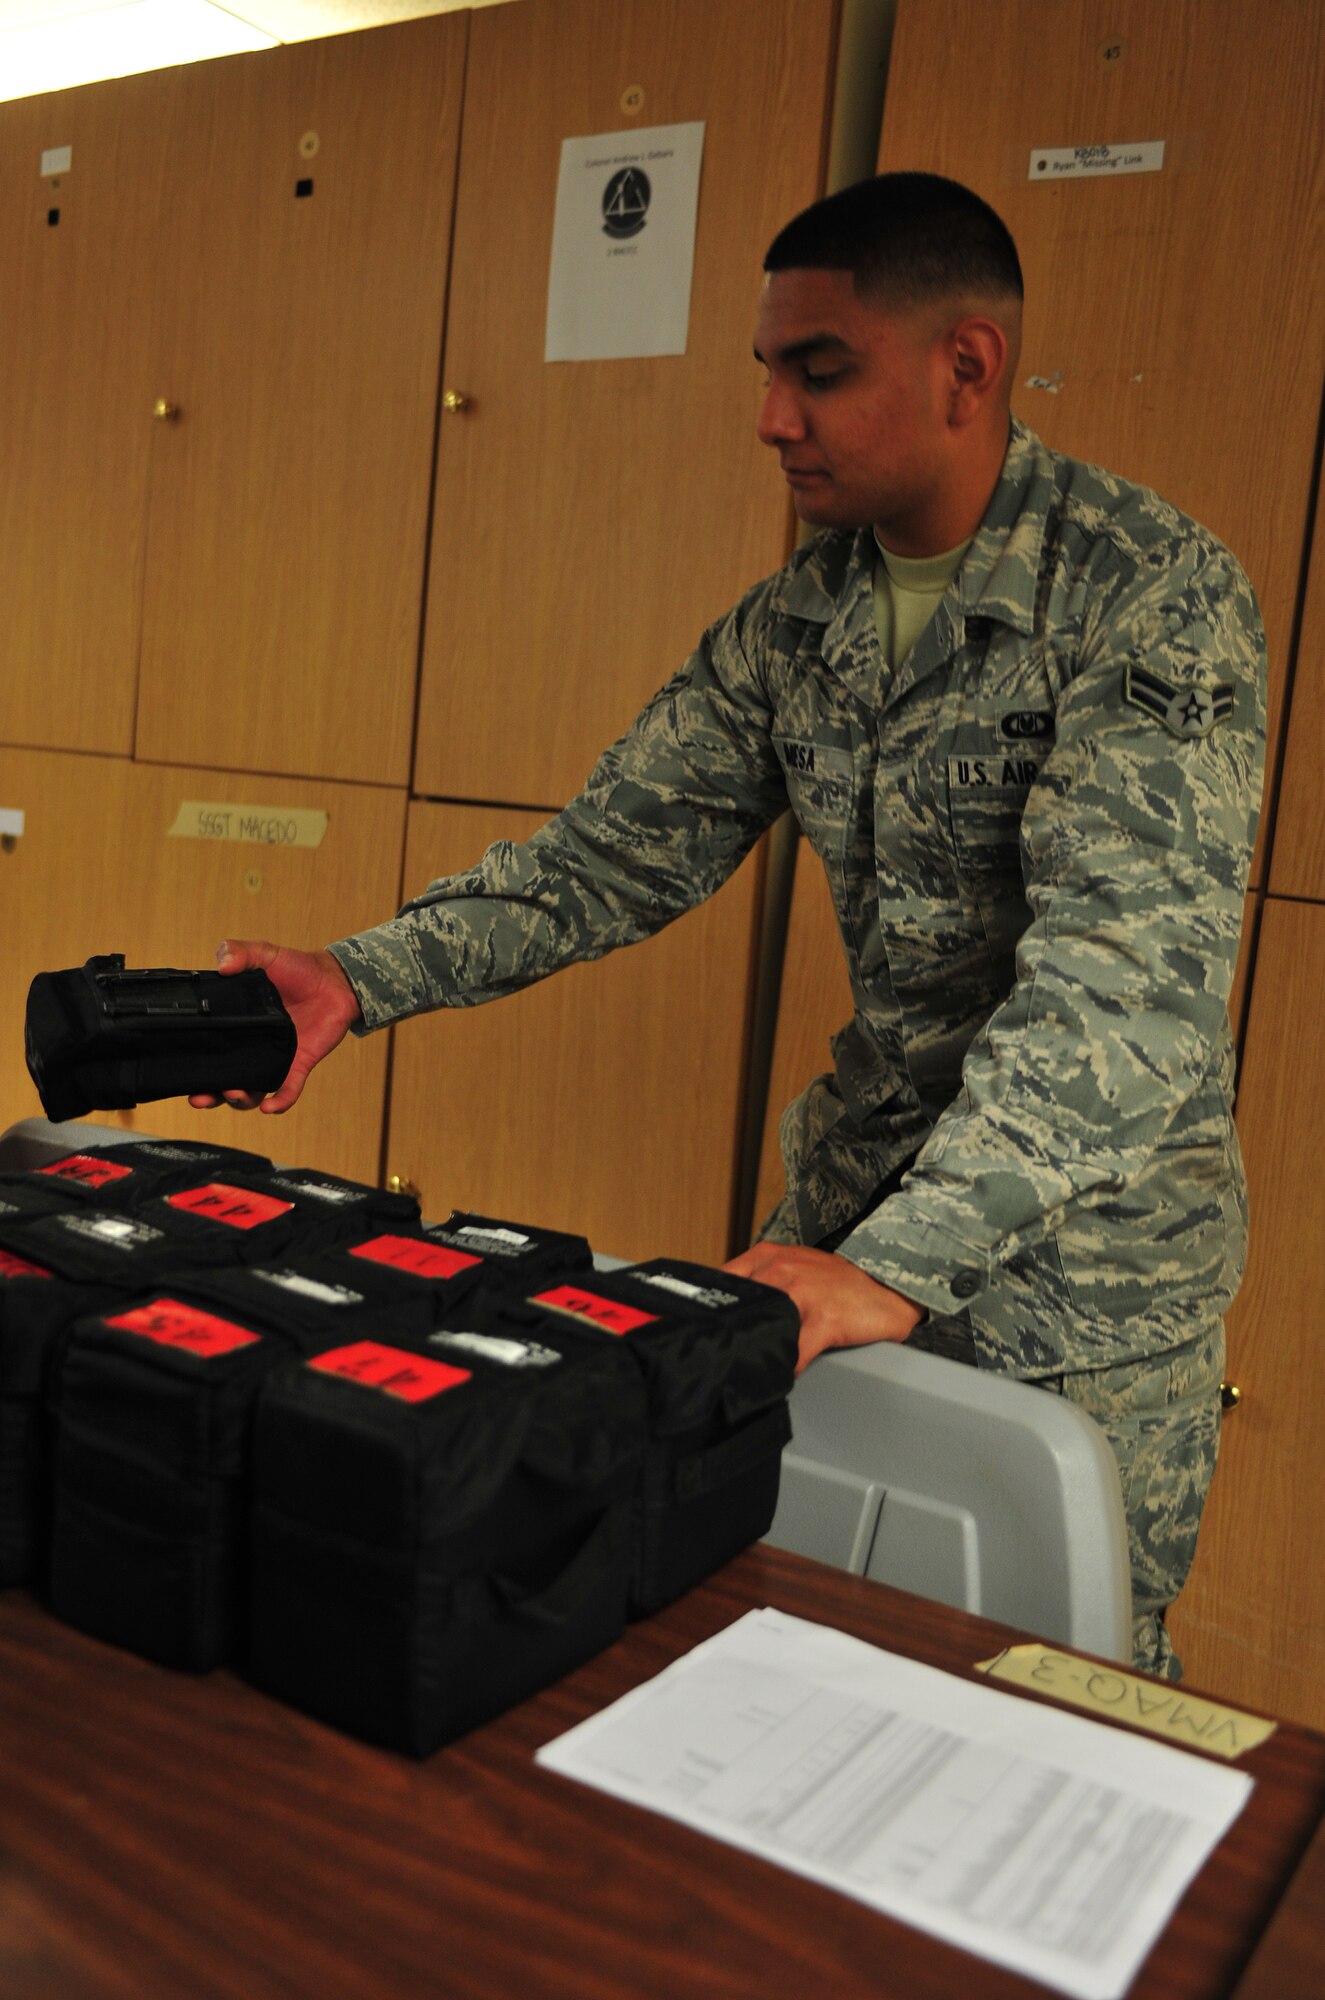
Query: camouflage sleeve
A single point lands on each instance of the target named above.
(666, 815)
(1136, 843)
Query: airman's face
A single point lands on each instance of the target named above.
(855, 406)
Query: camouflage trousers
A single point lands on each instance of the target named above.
(1161, 1417)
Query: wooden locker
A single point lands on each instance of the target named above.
(96, 869)
(593, 516)
(304, 272)
(1297, 863)
(1251, 1621)
(815, 1000)
(605, 1099)
(1175, 321)
(79, 250)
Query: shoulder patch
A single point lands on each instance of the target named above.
(1186, 711)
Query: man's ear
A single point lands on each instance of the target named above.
(976, 357)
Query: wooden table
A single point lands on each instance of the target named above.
(166, 1838)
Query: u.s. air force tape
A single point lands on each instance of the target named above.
(1186, 711)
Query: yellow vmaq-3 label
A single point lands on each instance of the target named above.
(1163, 1710)
(262, 826)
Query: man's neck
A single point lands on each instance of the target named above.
(956, 512)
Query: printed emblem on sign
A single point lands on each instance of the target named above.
(412, 1378)
(1188, 712)
(175, 1324)
(14, 1266)
(609, 1315)
(238, 1208)
(419, 1259)
(626, 201)
(87, 1170)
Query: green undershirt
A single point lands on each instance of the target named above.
(907, 593)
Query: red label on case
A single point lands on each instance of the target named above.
(608, 1314)
(88, 1170)
(175, 1324)
(421, 1260)
(14, 1266)
(411, 1377)
(239, 1208)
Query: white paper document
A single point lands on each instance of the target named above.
(623, 244)
(1041, 1840)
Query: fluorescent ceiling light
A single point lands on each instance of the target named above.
(119, 41)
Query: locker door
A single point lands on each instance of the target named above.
(78, 249)
(97, 870)
(593, 516)
(1297, 866)
(604, 1100)
(1175, 325)
(309, 208)
(1251, 1621)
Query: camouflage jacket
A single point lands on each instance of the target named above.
(1037, 834)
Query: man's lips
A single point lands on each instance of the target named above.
(802, 475)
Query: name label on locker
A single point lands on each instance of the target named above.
(260, 826)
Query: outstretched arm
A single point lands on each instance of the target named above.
(319, 1000)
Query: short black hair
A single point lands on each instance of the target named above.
(906, 239)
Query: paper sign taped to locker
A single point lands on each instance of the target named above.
(623, 244)
(1079, 163)
(56, 160)
(262, 826)
(11, 821)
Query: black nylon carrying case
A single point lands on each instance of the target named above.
(123, 1176)
(717, 1355)
(99, 1037)
(436, 1539)
(151, 1476)
(54, 1267)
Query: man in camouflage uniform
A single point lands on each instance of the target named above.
(1036, 818)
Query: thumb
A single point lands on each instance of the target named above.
(237, 954)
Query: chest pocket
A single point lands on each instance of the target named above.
(992, 761)
(819, 789)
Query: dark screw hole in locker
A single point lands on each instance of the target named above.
(302, 188)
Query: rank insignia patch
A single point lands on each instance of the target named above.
(1188, 711)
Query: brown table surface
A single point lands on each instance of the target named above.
(171, 1838)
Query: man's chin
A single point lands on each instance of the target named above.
(819, 507)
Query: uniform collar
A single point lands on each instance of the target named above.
(831, 584)
(1001, 573)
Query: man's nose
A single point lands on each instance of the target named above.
(780, 419)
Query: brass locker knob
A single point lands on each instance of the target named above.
(401, 1184)
(1229, 1395)
(164, 411)
(453, 401)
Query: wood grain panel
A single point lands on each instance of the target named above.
(815, 1001)
(95, 871)
(606, 1100)
(1179, 317)
(1297, 864)
(1252, 1618)
(300, 340)
(592, 517)
(75, 408)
